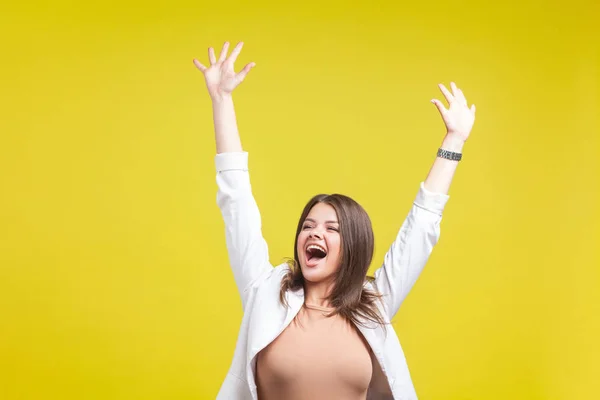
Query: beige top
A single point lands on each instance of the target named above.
(315, 357)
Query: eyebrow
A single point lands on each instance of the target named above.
(327, 222)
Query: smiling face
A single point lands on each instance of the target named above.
(333, 249)
(333, 246)
(319, 244)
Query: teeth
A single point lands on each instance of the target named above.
(315, 246)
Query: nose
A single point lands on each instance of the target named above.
(314, 234)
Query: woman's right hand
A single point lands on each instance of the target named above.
(220, 77)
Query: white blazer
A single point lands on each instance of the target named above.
(259, 282)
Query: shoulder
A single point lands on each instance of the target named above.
(273, 275)
(267, 286)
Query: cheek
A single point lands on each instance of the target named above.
(300, 243)
(335, 249)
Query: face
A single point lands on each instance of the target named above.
(319, 244)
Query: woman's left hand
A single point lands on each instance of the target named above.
(458, 117)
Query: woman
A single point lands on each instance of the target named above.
(317, 327)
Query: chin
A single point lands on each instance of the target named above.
(314, 275)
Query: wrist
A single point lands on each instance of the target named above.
(453, 143)
(221, 98)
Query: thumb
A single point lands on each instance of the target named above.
(440, 107)
(239, 78)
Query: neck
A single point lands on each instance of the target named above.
(315, 293)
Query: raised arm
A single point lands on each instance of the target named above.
(420, 231)
(246, 247)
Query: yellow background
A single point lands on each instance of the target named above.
(114, 280)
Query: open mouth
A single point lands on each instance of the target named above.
(315, 253)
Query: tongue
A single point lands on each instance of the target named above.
(311, 261)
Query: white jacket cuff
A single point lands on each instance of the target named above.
(431, 201)
(231, 161)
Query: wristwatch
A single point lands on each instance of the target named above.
(449, 155)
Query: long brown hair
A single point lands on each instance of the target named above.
(349, 296)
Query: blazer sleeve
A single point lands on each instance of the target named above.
(247, 249)
(411, 249)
